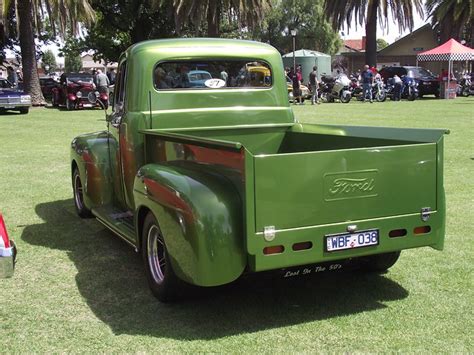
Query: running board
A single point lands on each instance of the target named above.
(119, 222)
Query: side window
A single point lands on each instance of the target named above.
(119, 94)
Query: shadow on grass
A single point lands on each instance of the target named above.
(111, 279)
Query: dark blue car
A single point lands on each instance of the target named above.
(13, 99)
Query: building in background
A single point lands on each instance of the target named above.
(88, 64)
(401, 52)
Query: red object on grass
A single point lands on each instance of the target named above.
(3, 233)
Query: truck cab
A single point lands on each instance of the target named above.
(215, 179)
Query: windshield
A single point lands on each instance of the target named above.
(80, 80)
(212, 74)
(5, 84)
(420, 72)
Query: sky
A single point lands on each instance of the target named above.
(390, 34)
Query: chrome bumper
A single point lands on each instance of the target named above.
(7, 261)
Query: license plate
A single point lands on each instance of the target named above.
(345, 241)
(86, 105)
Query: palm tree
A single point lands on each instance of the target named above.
(247, 13)
(451, 18)
(368, 12)
(67, 13)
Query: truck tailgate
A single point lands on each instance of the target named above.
(321, 187)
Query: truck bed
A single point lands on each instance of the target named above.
(308, 176)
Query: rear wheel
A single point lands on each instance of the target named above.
(81, 209)
(345, 97)
(465, 91)
(381, 96)
(70, 105)
(163, 282)
(379, 262)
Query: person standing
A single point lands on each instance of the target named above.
(111, 75)
(102, 82)
(224, 75)
(296, 89)
(313, 83)
(397, 88)
(367, 81)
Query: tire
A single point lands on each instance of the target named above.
(69, 105)
(345, 97)
(54, 102)
(324, 97)
(163, 282)
(411, 95)
(379, 262)
(465, 92)
(381, 96)
(81, 210)
(24, 110)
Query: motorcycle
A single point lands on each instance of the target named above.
(465, 86)
(409, 88)
(335, 88)
(355, 87)
(378, 90)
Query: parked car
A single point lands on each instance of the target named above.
(197, 78)
(12, 98)
(305, 92)
(259, 74)
(47, 85)
(428, 83)
(77, 90)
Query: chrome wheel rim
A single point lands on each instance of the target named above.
(78, 197)
(156, 254)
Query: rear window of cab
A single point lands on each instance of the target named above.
(212, 74)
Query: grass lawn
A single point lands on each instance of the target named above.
(77, 288)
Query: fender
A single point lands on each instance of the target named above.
(200, 215)
(91, 155)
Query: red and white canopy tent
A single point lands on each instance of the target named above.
(449, 51)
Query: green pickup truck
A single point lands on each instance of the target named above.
(205, 171)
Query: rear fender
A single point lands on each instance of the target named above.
(200, 215)
(91, 156)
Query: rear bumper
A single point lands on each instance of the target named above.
(316, 235)
(7, 261)
(14, 106)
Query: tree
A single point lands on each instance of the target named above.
(110, 35)
(452, 18)
(72, 63)
(62, 14)
(245, 13)
(368, 12)
(48, 61)
(31, 83)
(308, 18)
(381, 44)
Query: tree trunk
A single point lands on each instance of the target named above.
(213, 18)
(371, 34)
(31, 81)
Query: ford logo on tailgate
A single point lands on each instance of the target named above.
(348, 185)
